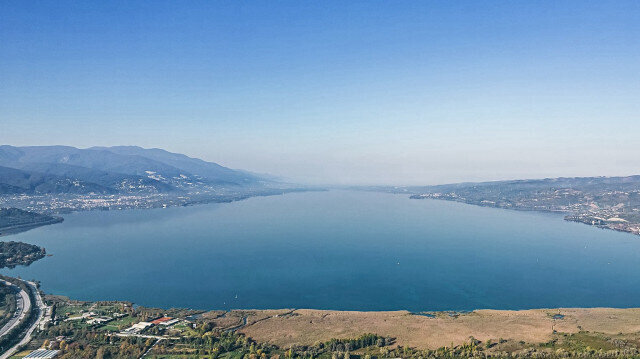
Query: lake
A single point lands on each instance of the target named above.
(344, 250)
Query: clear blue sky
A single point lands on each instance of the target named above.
(396, 92)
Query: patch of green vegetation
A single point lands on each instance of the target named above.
(124, 322)
(585, 342)
(7, 304)
(69, 310)
(20, 355)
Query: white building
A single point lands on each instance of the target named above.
(42, 353)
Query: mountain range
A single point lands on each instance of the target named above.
(111, 170)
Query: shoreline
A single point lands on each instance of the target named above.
(305, 327)
(568, 216)
(153, 201)
(9, 230)
(514, 331)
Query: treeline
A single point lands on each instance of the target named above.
(345, 345)
(337, 348)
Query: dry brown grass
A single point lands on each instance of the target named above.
(307, 327)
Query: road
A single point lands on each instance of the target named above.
(41, 310)
(245, 321)
(148, 336)
(23, 305)
(150, 348)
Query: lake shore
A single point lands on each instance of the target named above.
(499, 331)
(9, 230)
(535, 333)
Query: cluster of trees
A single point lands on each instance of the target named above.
(18, 253)
(105, 347)
(87, 342)
(7, 303)
(209, 341)
(363, 341)
(337, 348)
(477, 349)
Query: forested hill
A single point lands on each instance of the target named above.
(110, 170)
(18, 253)
(14, 219)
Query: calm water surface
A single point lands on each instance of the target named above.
(336, 250)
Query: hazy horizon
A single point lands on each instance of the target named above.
(396, 93)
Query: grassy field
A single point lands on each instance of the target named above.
(306, 327)
(118, 324)
(70, 310)
(20, 355)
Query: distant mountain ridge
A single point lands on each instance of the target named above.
(16, 181)
(195, 166)
(109, 170)
(611, 182)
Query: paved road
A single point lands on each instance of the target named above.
(23, 305)
(150, 348)
(145, 336)
(27, 337)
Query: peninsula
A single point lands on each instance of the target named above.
(605, 202)
(13, 220)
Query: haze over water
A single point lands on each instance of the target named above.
(340, 250)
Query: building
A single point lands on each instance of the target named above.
(165, 321)
(138, 328)
(171, 322)
(99, 320)
(42, 353)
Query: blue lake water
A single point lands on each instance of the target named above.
(343, 250)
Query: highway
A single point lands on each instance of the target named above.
(23, 305)
(24, 312)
